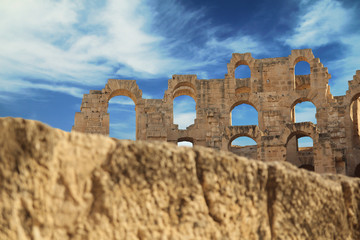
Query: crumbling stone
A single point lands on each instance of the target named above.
(273, 90)
(59, 185)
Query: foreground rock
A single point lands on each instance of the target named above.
(58, 185)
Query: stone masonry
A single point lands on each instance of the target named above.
(273, 90)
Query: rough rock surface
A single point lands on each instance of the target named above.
(59, 185)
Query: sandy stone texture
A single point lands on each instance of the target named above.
(59, 185)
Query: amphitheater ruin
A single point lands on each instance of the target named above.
(273, 90)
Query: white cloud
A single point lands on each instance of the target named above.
(346, 67)
(324, 22)
(122, 131)
(305, 112)
(17, 85)
(184, 119)
(320, 23)
(84, 43)
(122, 101)
(239, 44)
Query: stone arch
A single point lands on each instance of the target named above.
(301, 82)
(234, 132)
(252, 136)
(308, 167)
(184, 88)
(300, 59)
(296, 155)
(240, 59)
(243, 102)
(122, 117)
(186, 139)
(354, 110)
(249, 151)
(237, 103)
(297, 101)
(304, 130)
(357, 171)
(128, 88)
(242, 63)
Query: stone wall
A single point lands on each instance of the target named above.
(273, 90)
(60, 185)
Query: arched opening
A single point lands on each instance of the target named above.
(355, 116)
(242, 71)
(299, 151)
(184, 111)
(302, 68)
(185, 144)
(302, 75)
(308, 167)
(243, 114)
(122, 118)
(304, 111)
(357, 171)
(244, 146)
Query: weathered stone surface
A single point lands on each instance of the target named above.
(58, 185)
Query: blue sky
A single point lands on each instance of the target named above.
(52, 52)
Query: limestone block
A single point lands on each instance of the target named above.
(59, 185)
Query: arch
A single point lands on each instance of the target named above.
(241, 135)
(122, 92)
(184, 88)
(243, 113)
(300, 59)
(355, 119)
(187, 142)
(184, 111)
(308, 167)
(306, 111)
(302, 68)
(122, 120)
(298, 154)
(305, 142)
(246, 146)
(242, 71)
(302, 72)
(242, 102)
(128, 88)
(300, 100)
(357, 171)
(355, 97)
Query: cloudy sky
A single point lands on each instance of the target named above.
(52, 52)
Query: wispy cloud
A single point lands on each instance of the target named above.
(327, 22)
(184, 111)
(240, 43)
(122, 132)
(305, 112)
(84, 43)
(122, 128)
(18, 85)
(122, 101)
(320, 23)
